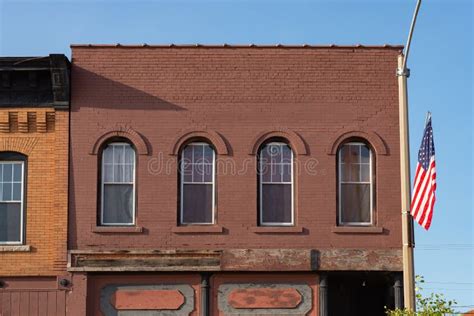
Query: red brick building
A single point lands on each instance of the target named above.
(234, 180)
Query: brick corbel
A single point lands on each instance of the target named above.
(295, 141)
(125, 132)
(374, 140)
(212, 136)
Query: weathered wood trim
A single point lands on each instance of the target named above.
(236, 260)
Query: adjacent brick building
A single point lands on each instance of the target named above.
(288, 198)
(34, 129)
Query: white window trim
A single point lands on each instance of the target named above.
(182, 183)
(22, 205)
(371, 186)
(261, 183)
(103, 183)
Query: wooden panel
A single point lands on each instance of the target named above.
(43, 304)
(147, 299)
(24, 303)
(61, 303)
(6, 303)
(15, 304)
(33, 304)
(264, 298)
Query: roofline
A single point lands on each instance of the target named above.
(118, 45)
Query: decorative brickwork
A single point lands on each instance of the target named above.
(45, 225)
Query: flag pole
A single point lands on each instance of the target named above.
(407, 221)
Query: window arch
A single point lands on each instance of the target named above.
(117, 183)
(275, 184)
(197, 184)
(355, 184)
(12, 197)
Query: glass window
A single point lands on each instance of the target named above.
(11, 202)
(118, 184)
(276, 184)
(197, 184)
(355, 184)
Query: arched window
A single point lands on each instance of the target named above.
(12, 197)
(355, 182)
(118, 184)
(197, 185)
(275, 177)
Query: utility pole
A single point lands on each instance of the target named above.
(407, 221)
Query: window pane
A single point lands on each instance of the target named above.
(7, 172)
(7, 191)
(128, 173)
(276, 203)
(118, 204)
(345, 172)
(265, 171)
(354, 155)
(365, 172)
(286, 173)
(17, 172)
(208, 154)
(108, 154)
(129, 155)
(108, 173)
(208, 173)
(286, 151)
(355, 203)
(355, 172)
(364, 154)
(118, 173)
(188, 154)
(187, 172)
(345, 154)
(198, 153)
(198, 173)
(276, 173)
(17, 191)
(197, 203)
(10, 222)
(119, 153)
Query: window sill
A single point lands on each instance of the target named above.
(277, 229)
(117, 229)
(357, 230)
(15, 248)
(197, 229)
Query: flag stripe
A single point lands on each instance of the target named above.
(424, 187)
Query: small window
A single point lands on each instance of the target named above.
(197, 184)
(355, 184)
(11, 201)
(275, 184)
(118, 185)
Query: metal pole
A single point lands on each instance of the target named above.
(407, 221)
(408, 269)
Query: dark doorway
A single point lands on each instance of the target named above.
(364, 293)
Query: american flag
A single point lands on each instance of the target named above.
(424, 188)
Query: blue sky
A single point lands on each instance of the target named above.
(441, 65)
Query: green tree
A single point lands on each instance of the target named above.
(433, 305)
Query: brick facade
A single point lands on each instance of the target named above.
(236, 98)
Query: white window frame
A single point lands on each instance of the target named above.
(182, 183)
(370, 183)
(103, 183)
(261, 183)
(22, 205)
